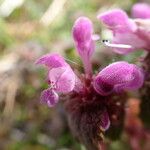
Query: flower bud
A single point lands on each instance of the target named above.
(117, 77)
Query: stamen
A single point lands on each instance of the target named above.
(107, 43)
(52, 85)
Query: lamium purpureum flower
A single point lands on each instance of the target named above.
(91, 101)
(60, 76)
(126, 30)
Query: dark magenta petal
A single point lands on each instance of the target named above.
(51, 61)
(144, 31)
(141, 10)
(102, 87)
(105, 121)
(117, 77)
(49, 97)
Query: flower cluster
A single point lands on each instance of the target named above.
(116, 77)
(96, 100)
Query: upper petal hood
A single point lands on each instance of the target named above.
(117, 77)
(52, 61)
(141, 10)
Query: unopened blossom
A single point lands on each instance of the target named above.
(91, 101)
(117, 77)
(83, 37)
(125, 31)
(141, 10)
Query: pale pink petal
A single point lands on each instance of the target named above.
(130, 39)
(63, 78)
(141, 10)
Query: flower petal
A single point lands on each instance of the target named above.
(141, 10)
(117, 19)
(49, 97)
(51, 61)
(130, 39)
(105, 121)
(82, 33)
(118, 77)
(63, 79)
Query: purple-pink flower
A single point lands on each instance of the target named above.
(90, 93)
(126, 30)
(60, 76)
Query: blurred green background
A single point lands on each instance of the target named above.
(28, 29)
